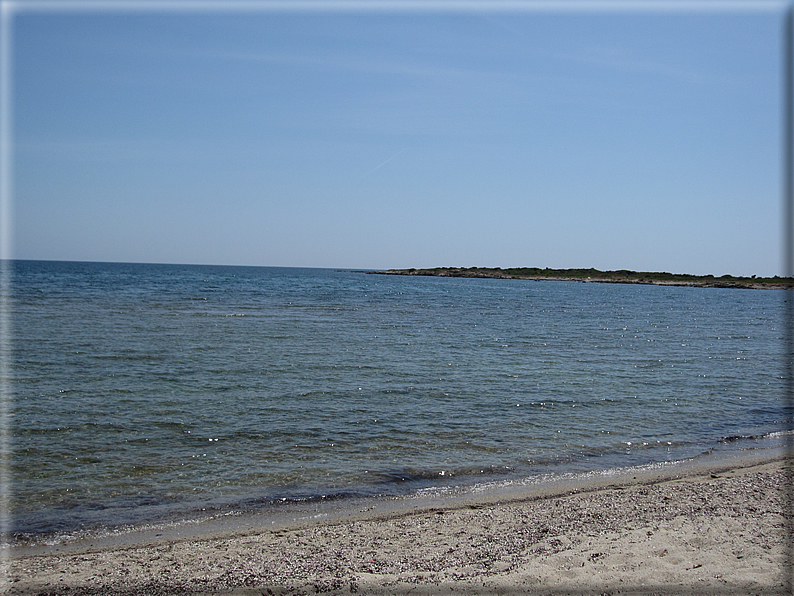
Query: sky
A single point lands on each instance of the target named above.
(391, 139)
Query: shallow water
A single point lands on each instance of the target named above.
(153, 392)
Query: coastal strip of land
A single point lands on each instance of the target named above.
(712, 530)
(622, 276)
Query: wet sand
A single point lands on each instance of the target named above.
(701, 530)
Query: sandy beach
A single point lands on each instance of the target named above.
(705, 530)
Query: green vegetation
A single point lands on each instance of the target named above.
(594, 275)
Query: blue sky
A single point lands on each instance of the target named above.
(636, 140)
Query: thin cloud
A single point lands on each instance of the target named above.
(383, 163)
(618, 60)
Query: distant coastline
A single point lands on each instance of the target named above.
(622, 276)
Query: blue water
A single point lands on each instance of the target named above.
(146, 392)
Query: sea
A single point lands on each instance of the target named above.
(147, 393)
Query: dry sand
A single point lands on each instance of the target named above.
(704, 531)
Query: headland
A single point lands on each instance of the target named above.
(622, 276)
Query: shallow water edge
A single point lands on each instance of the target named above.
(290, 515)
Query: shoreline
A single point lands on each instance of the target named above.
(208, 519)
(709, 526)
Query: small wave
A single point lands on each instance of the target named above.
(779, 433)
(772, 435)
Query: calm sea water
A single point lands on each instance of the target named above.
(145, 392)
